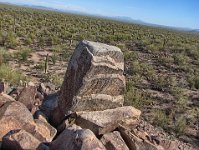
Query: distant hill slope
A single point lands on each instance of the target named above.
(195, 31)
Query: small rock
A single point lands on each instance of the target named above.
(4, 98)
(20, 140)
(27, 97)
(44, 131)
(114, 141)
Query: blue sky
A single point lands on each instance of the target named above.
(177, 13)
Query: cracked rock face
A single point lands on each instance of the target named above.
(94, 79)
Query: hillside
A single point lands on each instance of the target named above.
(161, 66)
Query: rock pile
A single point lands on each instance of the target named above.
(86, 114)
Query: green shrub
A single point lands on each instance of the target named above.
(181, 98)
(196, 83)
(180, 59)
(4, 56)
(130, 56)
(54, 57)
(11, 40)
(135, 68)
(166, 60)
(10, 75)
(57, 80)
(136, 97)
(180, 126)
(24, 53)
(28, 41)
(161, 119)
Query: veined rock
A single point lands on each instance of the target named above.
(93, 81)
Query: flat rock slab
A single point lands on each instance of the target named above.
(101, 122)
(20, 140)
(114, 141)
(94, 79)
(75, 138)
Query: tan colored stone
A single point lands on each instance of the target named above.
(44, 131)
(14, 115)
(113, 141)
(76, 138)
(101, 122)
(20, 140)
(27, 96)
(5, 98)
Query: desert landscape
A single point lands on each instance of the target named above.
(147, 76)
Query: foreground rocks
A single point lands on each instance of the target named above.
(87, 114)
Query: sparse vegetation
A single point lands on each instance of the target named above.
(161, 119)
(23, 53)
(9, 75)
(181, 126)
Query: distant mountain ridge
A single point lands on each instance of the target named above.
(117, 18)
(195, 31)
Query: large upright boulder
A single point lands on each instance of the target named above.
(94, 79)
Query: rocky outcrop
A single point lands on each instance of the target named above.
(94, 79)
(88, 112)
(101, 122)
(76, 138)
